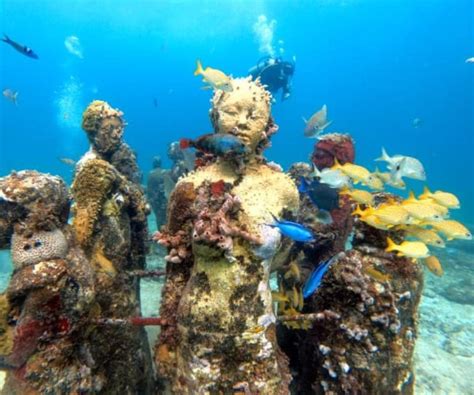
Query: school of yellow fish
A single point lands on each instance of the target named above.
(423, 220)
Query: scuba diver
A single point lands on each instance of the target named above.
(275, 73)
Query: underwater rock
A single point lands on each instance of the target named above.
(110, 213)
(330, 146)
(221, 336)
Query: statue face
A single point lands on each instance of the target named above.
(244, 116)
(109, 135)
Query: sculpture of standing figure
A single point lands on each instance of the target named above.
(110, 223)
(44, 313)
(220, 332)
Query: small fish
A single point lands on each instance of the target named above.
(20, 48)
(314, 280)
(417, 122)
(359, 196)
(387, 214)
(377, 275)
(445, 199)
(375, 183)
(427, 236)
(434, 265)
(355, 172)
(451, 229)
(322, 196)
(219, 144)
(11, 95)
(470, 60)
(387, 179)
(317, 123)
(215, 78)
(280, 297)
(421, 211)
(293, 230)
(67, 161)
(293, 272)
(409, 249)
(403, 166)
(332, 177)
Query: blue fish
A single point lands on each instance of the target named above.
(20, 48)
(314, 280)
(218, 144)
(293, 230)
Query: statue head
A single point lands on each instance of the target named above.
(243, 112)
(104, 126)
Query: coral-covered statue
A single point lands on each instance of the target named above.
(44, 311)
(110, 224)
(220, 332)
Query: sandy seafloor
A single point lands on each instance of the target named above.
(444, 355)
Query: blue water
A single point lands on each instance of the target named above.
(376, 64)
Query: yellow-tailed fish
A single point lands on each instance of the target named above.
(279, 297)
(433, 264)
(391, 214)
(387, 179)
(409, 249)
(445, 199)
(375, 183)
(421, 211)
(442, 210)
(332, 177)
(371, 220)
(293, 271)
(451, 229)
(427, 236)
(215, 78)
(359, 196)
(355, 172)
(376, 275)
(317, 123)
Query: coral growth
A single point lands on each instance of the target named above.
(38, 246)
(214, 226)
(330, 146)
(93, 182)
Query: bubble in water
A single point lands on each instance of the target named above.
(73, 45)
(69, 105)
(263, 30)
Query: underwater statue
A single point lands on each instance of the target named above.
(219, 335)
(45, 309)
(155, 191)
(110, 224)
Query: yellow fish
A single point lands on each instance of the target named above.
(451, 229)
(445, 199)
(377, 275)
(356, 172)
(359, 196)
(433, 264)
(375, 183)
(279, 297)
(427, 236)
(409, 249)
(215, 78)
(391, 214)
(371, 220)
(387, 179)
(293, 271)
(421, 211)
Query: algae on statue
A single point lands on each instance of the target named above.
(220, 335)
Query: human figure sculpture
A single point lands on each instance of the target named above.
(219, 335)
(44, 312)
(110, 224)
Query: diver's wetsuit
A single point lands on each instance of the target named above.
(275, 74)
